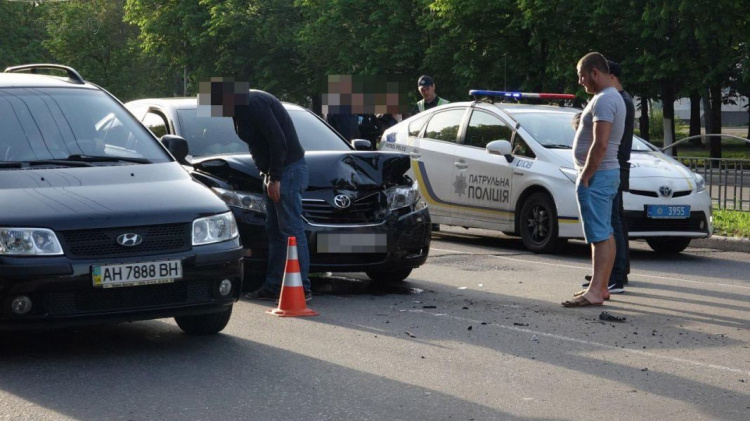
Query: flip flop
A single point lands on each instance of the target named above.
(583, 291)
(583, 302)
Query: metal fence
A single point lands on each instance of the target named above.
(727, 180)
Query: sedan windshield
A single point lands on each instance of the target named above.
(554, 130)
(216, 135)
(66, 125)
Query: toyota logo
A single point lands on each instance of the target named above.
(665, 191)
(342, 201)
(129, 240)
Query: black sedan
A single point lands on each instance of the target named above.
(362, 212)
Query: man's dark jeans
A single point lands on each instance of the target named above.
(284, 220)
(621, 268)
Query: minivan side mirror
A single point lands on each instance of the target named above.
(500, 147)
(362, 145)
(177, 146)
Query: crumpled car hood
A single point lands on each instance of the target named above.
(355, 170)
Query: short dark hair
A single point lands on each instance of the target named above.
(614, 69)
(593, 61)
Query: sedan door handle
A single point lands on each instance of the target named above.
(461, 165)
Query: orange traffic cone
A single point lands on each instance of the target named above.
(292, 299)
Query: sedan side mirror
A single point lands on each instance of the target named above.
(362, 145)
(177, 146)
(500, 147)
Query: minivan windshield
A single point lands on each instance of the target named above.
(61, 124)
(216, 135)
(554, 129)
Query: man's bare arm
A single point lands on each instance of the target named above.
(602, 130)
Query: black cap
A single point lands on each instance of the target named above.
(425, 81)
(614, 69)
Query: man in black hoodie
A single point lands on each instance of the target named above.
(265, 125)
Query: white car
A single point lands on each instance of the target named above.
(509, 167)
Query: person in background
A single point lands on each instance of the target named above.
(426, 87)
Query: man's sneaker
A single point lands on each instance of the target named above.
(262, 294)
(614, 288)
(308, 295)
(588, 281)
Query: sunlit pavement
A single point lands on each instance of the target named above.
(476, 333)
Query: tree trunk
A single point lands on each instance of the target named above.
(668, 109)
(695, 118)
(643, 123)
(706, 117)
(715, 117)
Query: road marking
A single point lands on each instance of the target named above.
(591, 343)
(588, 267)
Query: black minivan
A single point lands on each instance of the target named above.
(98, 222)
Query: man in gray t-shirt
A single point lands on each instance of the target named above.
(605, 106)
(595, 154)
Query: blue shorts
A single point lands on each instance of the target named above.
(595, 204)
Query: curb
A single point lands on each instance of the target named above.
(723, 243)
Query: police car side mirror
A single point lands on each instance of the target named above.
(362, 145)
(177, 146)
(500, 147)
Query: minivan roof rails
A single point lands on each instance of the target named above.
(72, 73)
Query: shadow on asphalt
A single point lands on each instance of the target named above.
(150, 370)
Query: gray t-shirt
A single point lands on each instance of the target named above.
(607, 105)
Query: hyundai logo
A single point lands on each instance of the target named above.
(342, 201)
(129, 240)
(665, 191)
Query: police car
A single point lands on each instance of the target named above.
(509, 167)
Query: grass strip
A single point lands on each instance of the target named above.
(732, 223)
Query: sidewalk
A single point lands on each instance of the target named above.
(723, 243)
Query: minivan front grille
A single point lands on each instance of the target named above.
(62, 303)
(98, 243)
(363, 210)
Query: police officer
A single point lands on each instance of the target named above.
(426, 87)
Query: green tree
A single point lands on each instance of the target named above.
(24, 28)
(174, 32)
(91, 36)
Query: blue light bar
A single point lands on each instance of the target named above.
(520, 95)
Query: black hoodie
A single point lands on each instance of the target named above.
(265, 125)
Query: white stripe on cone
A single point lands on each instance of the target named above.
(292, 279)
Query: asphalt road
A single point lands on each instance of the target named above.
(478, 333)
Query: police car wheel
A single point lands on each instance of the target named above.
(538, 224)
(668, 245)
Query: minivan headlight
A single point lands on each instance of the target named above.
(402, 196)
(700, 183)
(29, 242)
(214, 229)
(244, 200)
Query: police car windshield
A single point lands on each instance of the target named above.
(554, 130)
(216, 135)
(63, 124)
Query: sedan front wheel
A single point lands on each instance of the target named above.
(538, 224)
